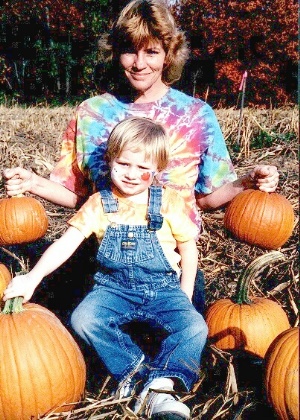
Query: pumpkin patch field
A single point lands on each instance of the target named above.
(249, 258)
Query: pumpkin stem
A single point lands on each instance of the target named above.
(20, 261)
(13, 306)
(252, 271)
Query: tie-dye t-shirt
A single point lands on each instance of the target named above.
(199, 158)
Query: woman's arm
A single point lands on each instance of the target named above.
(264, 177)
(189, 264)
(53, 257)
(20, 180)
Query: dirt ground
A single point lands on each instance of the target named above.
(231, 384)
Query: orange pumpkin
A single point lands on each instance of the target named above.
(282, 374)
(260, 218)
(42, 368)
(243, 324)
(5, 278)
(23, 219)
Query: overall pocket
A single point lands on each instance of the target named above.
(127, 245)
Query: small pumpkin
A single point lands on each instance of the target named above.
(260, 218)
(245, 324)
(5, 278)
(282, 374)
(42, 368)
(23, 219)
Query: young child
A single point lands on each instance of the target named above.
(140, 276)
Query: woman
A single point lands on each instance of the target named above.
(146, 52)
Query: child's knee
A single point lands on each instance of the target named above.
(80, 321)
(198, 330)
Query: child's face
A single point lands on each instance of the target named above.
(131, 173)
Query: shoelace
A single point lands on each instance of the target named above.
(157, 398)
(126, 388)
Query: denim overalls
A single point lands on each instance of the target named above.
(136, 282)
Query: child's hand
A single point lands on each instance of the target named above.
(20, 286)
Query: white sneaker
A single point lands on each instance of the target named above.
(150, 403)
(126, 388)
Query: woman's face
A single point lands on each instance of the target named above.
(143, 68)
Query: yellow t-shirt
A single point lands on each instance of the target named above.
(177, 226)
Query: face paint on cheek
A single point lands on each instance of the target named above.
(145, 176)
(114, 174)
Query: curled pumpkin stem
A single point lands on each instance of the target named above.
(13, 306)
(23, 266)
(251, 271)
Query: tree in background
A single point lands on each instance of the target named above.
(38, 47)
(230, 37)
(48, 48)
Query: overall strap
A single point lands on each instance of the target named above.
(110, 204)
(155, 219)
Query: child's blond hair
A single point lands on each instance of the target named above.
(139, 134)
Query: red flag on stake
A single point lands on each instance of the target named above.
(243, 81)
(242, 89)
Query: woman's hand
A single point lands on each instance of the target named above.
(18, 181)
(263, 177)
(22, 285)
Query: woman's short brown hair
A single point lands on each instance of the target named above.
(139, 24)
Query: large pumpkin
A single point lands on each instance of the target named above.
(260, 218)
(42, 368)
(282, 374)
(245, 324)
(5, 278)
(22, 219)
